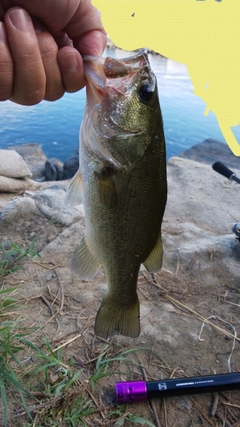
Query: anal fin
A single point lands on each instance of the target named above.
(153, 262)
(112, 318)
(84, 262)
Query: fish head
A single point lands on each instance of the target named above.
(122, 99)
(126, 90)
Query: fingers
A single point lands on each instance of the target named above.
(28, 81)
(31, 67)
(48, 49)
(90, 38)
(39, 62)
(77, 17)
(71, 65)
(6, 66)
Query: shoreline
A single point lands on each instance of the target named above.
(43, 168)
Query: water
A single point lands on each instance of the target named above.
(55, 125)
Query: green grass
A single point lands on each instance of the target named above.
(50, 390)
(47, 389)
(12, 254)
(10, 346)
(127, 417)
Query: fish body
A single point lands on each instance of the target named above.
(123, 177)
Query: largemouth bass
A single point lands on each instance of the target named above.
(124, 187)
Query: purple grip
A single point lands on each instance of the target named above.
(131, 392)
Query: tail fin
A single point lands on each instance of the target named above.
(111, 319)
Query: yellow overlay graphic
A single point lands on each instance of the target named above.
(203, 34)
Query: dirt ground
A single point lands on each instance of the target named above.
(190, 326)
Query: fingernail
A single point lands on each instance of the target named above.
(71, 62)
(3, 36)
(20, 19)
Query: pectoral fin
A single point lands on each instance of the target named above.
(74, 195)
(106, 185)
(84, 263)
(153, 263)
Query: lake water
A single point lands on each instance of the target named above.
(55, 125)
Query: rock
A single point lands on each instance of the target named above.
(53, 170)
(34, 157)
(64, 245)
(15, 185)
(51, 203)
(196, 191)
(200, 271)
(18, 208)
(6, 198)
(71, 165)
(12, 165)
(210, 151)
(197, 225)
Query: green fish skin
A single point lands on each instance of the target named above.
(124, 185)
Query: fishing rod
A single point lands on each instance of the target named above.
(225, 171)
(228, 173)
(141, 391)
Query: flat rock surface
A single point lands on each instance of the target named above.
(190, 311)
(34, 156)
(12, 165)
(211, 151)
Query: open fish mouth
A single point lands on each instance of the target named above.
(110, 74)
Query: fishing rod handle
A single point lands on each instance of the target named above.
(140, 391)
(223, 170)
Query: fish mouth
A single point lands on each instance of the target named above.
(114, 75)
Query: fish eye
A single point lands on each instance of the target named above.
(145, 93)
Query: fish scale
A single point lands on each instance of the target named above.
(124, 185)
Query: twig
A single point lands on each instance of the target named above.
(62, 296)
(78, 324)
(232, 303)
(35, 420)
(199, 317)
(47, 304)
(178, 264)
(151, 353)
(98, 408)
(60, 310)
(55, 297)
(233, 417)
(149, 299)
(168, 271)
(215, 404)
(45, 266)
(165, 412)
(231, 404)
(203, 413)
(225, 422)
(107, 341)
(151, 402)
(234, 339)
(173, 372)
(67, 342)
(95, 358)
(191, 264)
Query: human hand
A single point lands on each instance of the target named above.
(41, 43)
